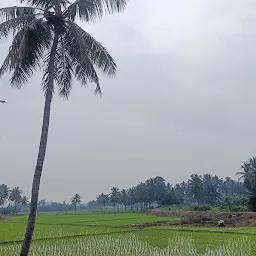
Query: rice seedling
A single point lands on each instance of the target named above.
(129, 245)
(241, 247)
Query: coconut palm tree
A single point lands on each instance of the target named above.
(4, 194)
(76, 200)
(15, 195)
(114, 196)
(195, 186)
(124, 198)
(45, 34)
(248, 174)
(24, 201)
(103, 200)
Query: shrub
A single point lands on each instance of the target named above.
(201, 207)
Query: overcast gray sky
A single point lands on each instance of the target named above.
(183, 103)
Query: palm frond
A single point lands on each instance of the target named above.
(14, 12)
(26, 51)
(64, 79)
(46, 4)
(97, 90)
(14, 25)
(82, 65)
(91, 10)
(85, 44)
(240, 178)
(83, 68)
(45, 80)
(11, 60)
(38, 3)
(64, 67)
(86, 73)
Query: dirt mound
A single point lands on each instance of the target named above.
(209, 218)
(3, 218)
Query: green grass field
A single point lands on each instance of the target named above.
(83, 233)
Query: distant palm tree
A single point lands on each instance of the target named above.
(246, 170)
(103, 200)
(195, 185)
(4, 194)
(46, 34)
(124, 198)
(24, 201)
(248, 174)
(76, 200)
(15, 195)
(115, 196)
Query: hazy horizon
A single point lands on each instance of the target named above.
(182, 103)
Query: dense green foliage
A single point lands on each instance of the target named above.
(204, 190)
(200, 193)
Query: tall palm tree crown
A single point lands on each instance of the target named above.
(77, 53)
(76, 199)
(46, 36)
(15, 195)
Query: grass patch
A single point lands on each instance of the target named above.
(64, 231)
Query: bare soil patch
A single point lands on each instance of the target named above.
(3, 218)
(153, 224)
(207, 218)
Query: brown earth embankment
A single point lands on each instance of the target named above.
(209, 218)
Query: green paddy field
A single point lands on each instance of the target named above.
(99, 233)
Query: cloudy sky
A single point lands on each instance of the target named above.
(183, 102)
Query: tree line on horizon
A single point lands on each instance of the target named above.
(203, 189)
(199, 190)
(12, 201)
(155, 192)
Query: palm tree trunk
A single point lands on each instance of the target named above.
(41, 153)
